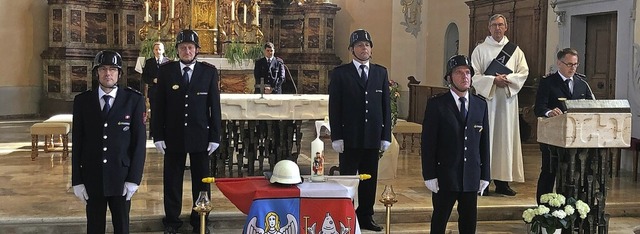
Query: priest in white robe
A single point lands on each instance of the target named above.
(501, 93)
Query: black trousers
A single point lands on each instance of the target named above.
(97, 212)
(172, 180)
(362, 161)
(547, 178)
(443, 202)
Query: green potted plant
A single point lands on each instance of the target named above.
(236, 52)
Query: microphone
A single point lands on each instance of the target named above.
(582, 78)
(295, 87)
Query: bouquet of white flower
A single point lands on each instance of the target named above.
(555, 212)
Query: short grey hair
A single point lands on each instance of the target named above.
(496, 16)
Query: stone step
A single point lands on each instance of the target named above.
(506, 219)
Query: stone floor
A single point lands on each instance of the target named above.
(35, 196)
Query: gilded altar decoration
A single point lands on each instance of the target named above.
(412, 11)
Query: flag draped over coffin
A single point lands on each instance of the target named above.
(313, 208)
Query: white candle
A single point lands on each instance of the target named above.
(146, 11)
(173, 8)
(233, 9)
(244, 16)
(159, 11)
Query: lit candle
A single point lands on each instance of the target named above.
(173, 8)
(244, 16)
(159, 10)
(233, 10)
(146, 11)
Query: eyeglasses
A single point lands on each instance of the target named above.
(500, 25)
(570, 64)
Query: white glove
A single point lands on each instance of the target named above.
(129, 190)
(338, 146)
(483, 186)
(384, 145)
(81, 193)
(212, 147)
(432, 185)
(160, 146)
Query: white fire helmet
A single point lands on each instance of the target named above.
(286, 172)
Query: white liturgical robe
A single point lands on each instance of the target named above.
(506, 149)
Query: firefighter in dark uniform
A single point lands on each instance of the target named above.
(108, 146)
(360, 119)
(186, 119)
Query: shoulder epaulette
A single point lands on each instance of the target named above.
(479, 96)
(378, 65)
(133, 90)
(166, 63)
(208, 64)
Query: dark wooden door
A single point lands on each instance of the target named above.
(600, 55)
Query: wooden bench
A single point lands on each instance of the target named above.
(48, 130)
(405, 128)
(59, 118)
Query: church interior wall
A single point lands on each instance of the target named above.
(24, 31)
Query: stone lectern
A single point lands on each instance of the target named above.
(583, 139)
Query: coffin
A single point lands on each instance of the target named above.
(588, 124)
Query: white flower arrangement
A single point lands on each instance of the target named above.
(555, 212)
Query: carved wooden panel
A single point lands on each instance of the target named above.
(237, 81)
(79, 78)
(96, 28)
(418, 96)
(290, 31)
(310, 80)
(53, 79)
(313, 39)
(76, 26)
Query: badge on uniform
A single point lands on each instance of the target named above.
(125, 128)
(479, 127)
(124, 123)
(175, 87)
(378, 90)
(202, 93)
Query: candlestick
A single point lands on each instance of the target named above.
(233, 10)
(146, 11)
(159, 10)
(244, 15)
(173, 8)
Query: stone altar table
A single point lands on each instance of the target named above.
(256, 127)
(584, 139)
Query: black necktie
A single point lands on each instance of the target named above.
(363, 74)
(463, 108)
(566, 82)
(185, 75)
(106, 107)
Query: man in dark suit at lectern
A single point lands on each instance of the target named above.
(564, 84)
(271, 69)
(455, 149)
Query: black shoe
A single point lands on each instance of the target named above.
(170, 230)
(369, 224)
(505, 190)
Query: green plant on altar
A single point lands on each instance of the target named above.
(236, 52)
(555, 212)
(394, 95)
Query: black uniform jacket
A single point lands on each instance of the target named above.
(108, 152)
(150, 71)
(454, 150)
(187, 116)
(359, 111)
(272, 72)
(553, 87)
